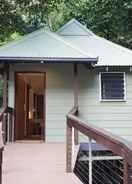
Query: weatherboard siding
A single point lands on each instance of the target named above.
(59, 96)
(113, 116)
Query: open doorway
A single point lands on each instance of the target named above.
(30, 106)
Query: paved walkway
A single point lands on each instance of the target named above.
(36, 163)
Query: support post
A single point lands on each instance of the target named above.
(4, 122)
(69, 147)
(9, 127)
(12, 129)
(5, 100)
(76, 99)
(5, 86)
(125, 172)
(90, 161)
(1, 160)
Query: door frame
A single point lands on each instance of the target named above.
(44, 112)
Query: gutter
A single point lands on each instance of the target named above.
(4, 59)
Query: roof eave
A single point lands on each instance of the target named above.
(48, 60)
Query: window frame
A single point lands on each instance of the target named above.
(112, 100)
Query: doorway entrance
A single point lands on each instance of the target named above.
(29, 106)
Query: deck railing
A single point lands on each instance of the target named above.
(6, 119)
(2, 118)
(119, 146)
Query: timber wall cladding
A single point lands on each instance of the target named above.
(59, 96)
(113, 116)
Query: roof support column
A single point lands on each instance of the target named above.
(5, 85)
(76, 99)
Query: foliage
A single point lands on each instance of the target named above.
(111, 19)
(10, 20)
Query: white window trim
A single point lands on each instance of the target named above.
(112, 100)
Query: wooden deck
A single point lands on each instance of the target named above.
(36, 163)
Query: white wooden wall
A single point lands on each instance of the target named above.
(113, 116)
(59, 96)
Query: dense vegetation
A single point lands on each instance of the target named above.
(109, 18)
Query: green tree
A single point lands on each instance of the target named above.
(10, 20)
(111, 19)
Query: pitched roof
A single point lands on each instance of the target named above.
(74, 28)
(73, 42)
(108, 52)
(43, 44)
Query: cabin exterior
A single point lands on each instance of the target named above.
(46, 74)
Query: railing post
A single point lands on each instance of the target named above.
(90, 161)
(1, 160)
(76, 133)
(4, 127)
(12, 126)
(1, 153)
(125, 172)
(8, 127)
(69, 147)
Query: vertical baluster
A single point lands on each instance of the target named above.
(90, 161)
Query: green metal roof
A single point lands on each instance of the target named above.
(43, 45)
(109, 53)
(74, 28)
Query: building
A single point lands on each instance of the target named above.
(47, 73)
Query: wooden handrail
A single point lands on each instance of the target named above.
(4, 110)
(115, 143)
(73, 111)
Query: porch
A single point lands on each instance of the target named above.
(36, 162)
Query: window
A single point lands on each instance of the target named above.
(112, 86)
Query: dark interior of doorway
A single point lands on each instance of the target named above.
(29, 106)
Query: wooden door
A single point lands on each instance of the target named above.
(19, 107)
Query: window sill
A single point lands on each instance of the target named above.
(112, 100)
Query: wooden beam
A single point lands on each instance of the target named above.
(76, 99)
(5, 85)
(76, 85)
(5, 100)
(125, 172)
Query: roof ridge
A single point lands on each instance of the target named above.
(79, 24)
